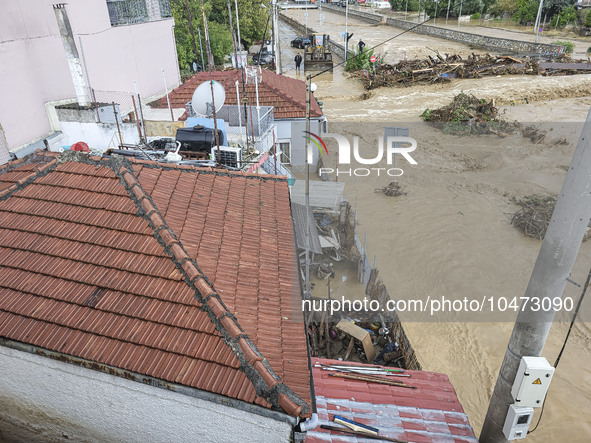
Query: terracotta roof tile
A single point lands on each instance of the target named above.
(287, 95)
(84, 274)
(431, 413)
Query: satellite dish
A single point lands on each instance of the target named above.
(202, 102)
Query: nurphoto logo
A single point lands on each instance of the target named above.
(394, 145)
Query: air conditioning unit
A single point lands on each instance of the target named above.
(229, 156)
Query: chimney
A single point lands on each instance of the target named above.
(71, 54)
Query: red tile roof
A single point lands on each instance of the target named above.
(287, 95)
(182, 274)
(431, 413)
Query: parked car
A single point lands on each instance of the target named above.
(266, 58)
(382, 5)
(300, 42)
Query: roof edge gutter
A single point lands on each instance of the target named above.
(155, 382)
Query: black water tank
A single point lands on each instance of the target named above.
(197, 138)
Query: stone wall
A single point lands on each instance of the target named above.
(491, 43)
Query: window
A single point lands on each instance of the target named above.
(285, 148)
(125, 12)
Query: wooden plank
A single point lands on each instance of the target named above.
(350, 328)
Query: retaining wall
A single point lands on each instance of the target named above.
(336, 48)
(491, 43)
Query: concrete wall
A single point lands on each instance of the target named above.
(34, 70)
(99, 136)
(48, 400)
(481, 41)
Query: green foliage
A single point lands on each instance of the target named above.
(359, 61)
(565, 16)
(589, 50)
(475, 16)
(252, 23)
(470, 7)
(426, 115)
(569, 47)
(400, 5)
(587, 22)
(526, 11)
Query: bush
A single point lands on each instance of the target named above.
(589, 50)
(475, 16)
(564, 17)
(359, 61)
(587, 22)
(569, 47)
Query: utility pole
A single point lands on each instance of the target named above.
(447, 15)
(308, 97)
(210, 60)
(460, 14)
(201, 48)
(346, 30)
(435, 16)
(233, 35)
(192, 31)
(549, 277)
(538, 17)
(276, 42)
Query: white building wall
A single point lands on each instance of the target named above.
(34, 70)
(48, 400)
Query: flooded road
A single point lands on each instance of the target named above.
(451, 235)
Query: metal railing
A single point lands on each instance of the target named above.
(256, 123)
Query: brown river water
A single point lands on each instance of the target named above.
(451, 235)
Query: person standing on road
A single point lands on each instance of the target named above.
(298, 62)
(361, 45)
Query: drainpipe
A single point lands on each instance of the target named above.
(72, 56)
(310, 423)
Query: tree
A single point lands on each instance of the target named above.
(469, 7)
(252, 22)
(565, 16)
(526, 11)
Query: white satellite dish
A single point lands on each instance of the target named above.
(202, 102)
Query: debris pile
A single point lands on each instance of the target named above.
(393, 189)
(442, 69)
(534, 214)
(469, 115)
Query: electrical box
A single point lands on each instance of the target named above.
(532, 382)
(517, 422)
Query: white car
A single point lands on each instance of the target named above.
(382, 5)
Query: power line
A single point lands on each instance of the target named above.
(565, 340)
(373, 47)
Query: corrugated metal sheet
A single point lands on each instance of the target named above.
(322, 194)
(299, 219)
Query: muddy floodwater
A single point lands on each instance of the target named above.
(451, 234)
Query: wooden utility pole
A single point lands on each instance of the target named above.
(552, 269)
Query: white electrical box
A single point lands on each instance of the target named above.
(532, 382)
(517, 422)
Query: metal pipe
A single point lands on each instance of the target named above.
(308, 98)
(139, 102)
(137, 118)
(239, 113)
(167, 97)
(115, 113)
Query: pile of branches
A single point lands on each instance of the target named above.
(441, 69)
(394, 189)
(534, 214)
(469, 115)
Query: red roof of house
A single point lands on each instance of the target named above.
(431, 413)
(183, 274)
(287, 95)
